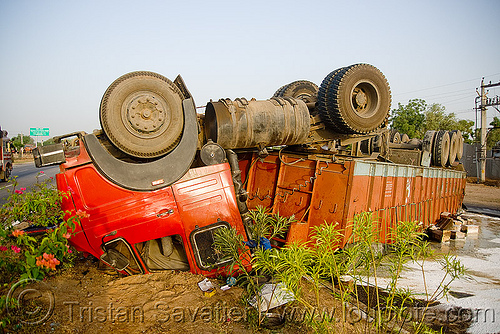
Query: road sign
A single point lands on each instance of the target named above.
(39, 131)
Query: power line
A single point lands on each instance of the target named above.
(457, 100)
(450, 84)
(452, 92)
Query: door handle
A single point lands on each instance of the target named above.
(164, 213)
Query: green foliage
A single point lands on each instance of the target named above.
(267, 225)
(48, 142)
(16, 141)
(465, 126)
(232, 247)
(409, 118)
(416, 118)
(360, 261)
(40, 205)
(26, 256)
(494, 133)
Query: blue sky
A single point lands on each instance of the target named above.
(58, 57)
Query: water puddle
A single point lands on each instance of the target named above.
(479, 291)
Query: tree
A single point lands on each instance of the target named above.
(466, 127)
(436, 119)
(416, 118)
(409, 118)
(493, 134)
(48, 142)
(16, 141)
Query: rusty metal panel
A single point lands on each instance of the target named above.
(294, 187)
(330, 190)
(410, 193)
(261, 181)
(317, 192)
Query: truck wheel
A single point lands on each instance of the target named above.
(304, 90)
(358, 98)
(460, 144)
(6, 174)
(453, 148)
(322, 103)
(394, 137)
(405, 138)
(441, 148)
(141, 114)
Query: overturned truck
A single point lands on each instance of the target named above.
(159, 179)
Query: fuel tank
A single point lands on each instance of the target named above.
(245, 124)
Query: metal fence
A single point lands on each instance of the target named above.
(469, 160)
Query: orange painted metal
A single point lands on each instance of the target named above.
(316, 192)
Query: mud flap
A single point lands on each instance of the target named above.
(150, 175)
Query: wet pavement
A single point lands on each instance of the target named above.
(478, 293)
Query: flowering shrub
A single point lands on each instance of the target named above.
(23, 255)
(40, 205)
(47, 260)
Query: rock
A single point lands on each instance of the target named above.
(457, 235)
(439, 235)
(472, 229)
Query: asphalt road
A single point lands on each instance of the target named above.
(27, 175)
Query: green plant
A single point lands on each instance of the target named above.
(361, 261)
(40, 205)
(233, 247)
(33, 256)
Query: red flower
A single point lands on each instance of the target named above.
(17, 233)
(15, 249)
(82, 214)
(18, 192)
(48, 261)
(3, 248)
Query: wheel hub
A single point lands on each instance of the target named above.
(360, 98)
(145, 115)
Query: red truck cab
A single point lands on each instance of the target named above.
(168, 228)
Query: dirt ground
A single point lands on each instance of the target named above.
(92, 299)
(482, 196)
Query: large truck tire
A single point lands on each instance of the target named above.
(155, 173)
(394, 136)
(441, 148)
(322, 104)
(304, 90)
(141, 114)
(355, 99)
(454, 142)
(460, 145)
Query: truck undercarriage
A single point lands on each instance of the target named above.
(160, 179)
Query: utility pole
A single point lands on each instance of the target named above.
(485, 103)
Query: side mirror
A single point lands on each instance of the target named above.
(115, 259)
(49, 155)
